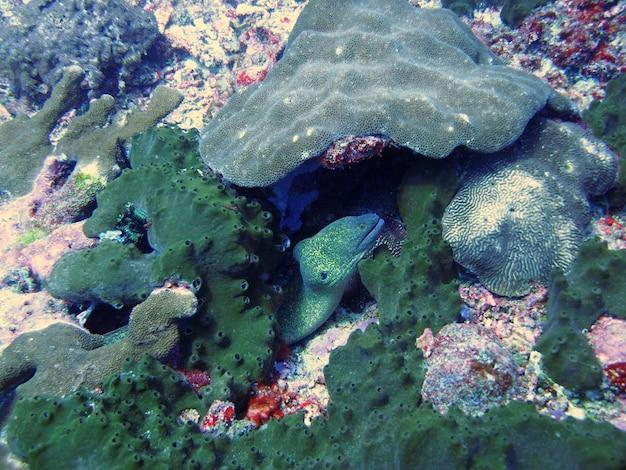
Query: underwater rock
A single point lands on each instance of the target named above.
(468, 368)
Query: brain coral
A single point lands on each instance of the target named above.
(521, 213)
(417, 76)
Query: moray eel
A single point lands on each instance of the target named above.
(327, 261)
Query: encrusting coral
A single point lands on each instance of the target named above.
(469, 368)
(417, 76)
(521, 213)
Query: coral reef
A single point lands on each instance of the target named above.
(62, 358)
(574, 45)
(375, 416)
(218, 403)
(107, 39)
(521, 213)
(30, 243)
(583, 38)
(327, 262)
(468, 368)
(221, 46)
(607, 120)
(24, 142)
(577, 299)
(181, 224)
(147, 394)
(511, 14)
(443, 89)
(349, 150)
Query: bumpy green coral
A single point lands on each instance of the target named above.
(423, 277)
(197, 232)
(328, 261)
(593, 286)
(112, 273)
(607, 120)
(133, 424)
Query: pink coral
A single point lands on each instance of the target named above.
(608, 339)
(470, 368)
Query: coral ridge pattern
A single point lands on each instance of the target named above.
(417, 76)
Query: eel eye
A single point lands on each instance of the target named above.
(323, 275)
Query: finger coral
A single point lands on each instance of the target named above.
(521, 213)
(25, 142)
(62, 358)
(419, 77)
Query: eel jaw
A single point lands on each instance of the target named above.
(369, 238)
